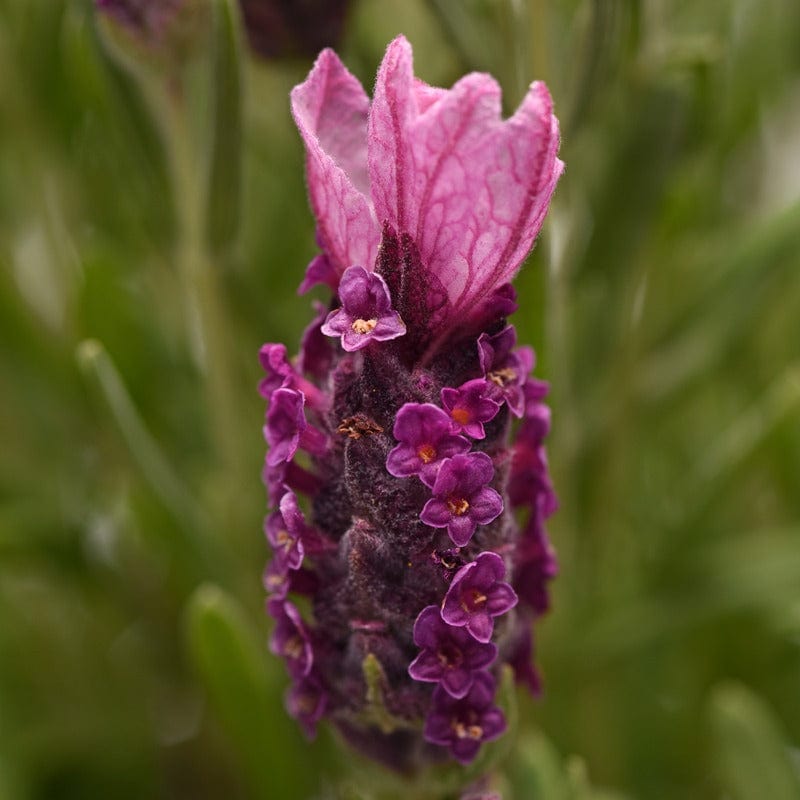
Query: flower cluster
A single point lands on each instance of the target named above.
(410, 421)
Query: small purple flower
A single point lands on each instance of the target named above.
(285, 530)
(280, 374)
(536, 564)
(506, 370)
(477, 594)
(450, 656)
(426, 439)
(470, 406)
(286, 427)
(316, 349)
(276, 580)
(277, 367)
(290, 638)
(462, 724)
(461, 499)
(529, 483)
(366, 314)
(306, 701)
(520, 658)
(319, 270)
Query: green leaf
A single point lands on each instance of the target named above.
(752, 756)
(537, 770)
(228, 656)
(226, 146)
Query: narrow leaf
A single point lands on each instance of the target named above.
(231, 662)
(752, 757)
(225, 157)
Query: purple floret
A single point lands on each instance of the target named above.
(536, 564)
(286, 530)
(426, 439)
(306, 701)
(461, 498)
(505, 369)
(277, 368)
(463, 724)
(290, 638)
(286, 427)
(366, 314)
(450, 656)
(470, 406)
(477, 594)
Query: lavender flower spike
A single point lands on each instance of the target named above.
(461, 498)
(477, 594)
(450, 656)
(366, 314)
(393, 430)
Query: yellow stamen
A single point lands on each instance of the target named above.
(502, 376)
(426, 453)
(457, 506)
(364, 325)
(460, 415)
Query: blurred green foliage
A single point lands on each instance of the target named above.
(664, 303)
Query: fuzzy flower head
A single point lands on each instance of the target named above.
(405, 461)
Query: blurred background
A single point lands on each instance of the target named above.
(149, 246)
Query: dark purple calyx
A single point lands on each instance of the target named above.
(449, 656)
(462, 500)
(477, 595)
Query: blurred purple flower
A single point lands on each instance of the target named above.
(281, 28)
(464, 724)
(149, 17)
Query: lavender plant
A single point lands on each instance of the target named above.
(410, 420)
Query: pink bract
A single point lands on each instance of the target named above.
(442, 166)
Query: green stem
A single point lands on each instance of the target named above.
(206, 319)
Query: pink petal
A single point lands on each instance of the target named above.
(330, 108)
(470, 188)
